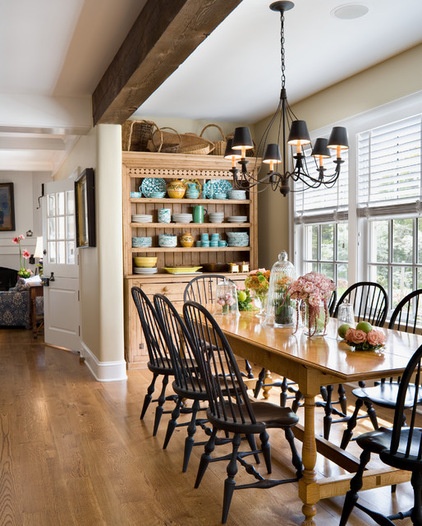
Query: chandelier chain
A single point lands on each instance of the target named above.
(283, 53)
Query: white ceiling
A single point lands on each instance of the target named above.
(61, 48)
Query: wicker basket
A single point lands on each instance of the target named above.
(194, 144)
(165, 140)
(220, 145)
(136, 134)
(168, 140)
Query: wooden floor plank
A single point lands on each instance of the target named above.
(74, 453)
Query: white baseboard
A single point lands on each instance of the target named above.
(103, 371)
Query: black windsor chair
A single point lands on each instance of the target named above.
(203, 290)
(370, 303)
(159, 360)
(188, 383)
(399, 447)
(230, 409)
(406, 317)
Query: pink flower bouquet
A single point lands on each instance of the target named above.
(314, 290)
(365, 341)
(24, 255)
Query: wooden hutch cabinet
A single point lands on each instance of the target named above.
(138, 166)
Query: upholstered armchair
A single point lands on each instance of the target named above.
(15, 301)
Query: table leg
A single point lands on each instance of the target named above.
(308, 490)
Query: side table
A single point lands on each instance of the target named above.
(37, 318)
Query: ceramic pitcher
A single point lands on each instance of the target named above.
(199, 214)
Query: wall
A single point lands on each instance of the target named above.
(388, 81)
(27, 189)
(101, 267)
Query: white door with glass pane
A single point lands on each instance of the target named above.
(60, 266)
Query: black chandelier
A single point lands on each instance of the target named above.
(298, 138)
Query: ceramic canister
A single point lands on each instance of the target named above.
(186, 239)
(164, 215)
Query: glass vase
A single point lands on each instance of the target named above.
(284, 313)
(260, 300)
(315, 319)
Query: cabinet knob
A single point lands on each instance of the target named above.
(165, 289)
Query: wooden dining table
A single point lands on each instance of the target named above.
(312, 363)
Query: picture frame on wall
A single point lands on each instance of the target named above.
(85, 209)
(7, 207)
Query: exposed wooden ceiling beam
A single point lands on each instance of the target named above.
(163, 36)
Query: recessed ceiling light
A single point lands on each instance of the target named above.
(350, 11)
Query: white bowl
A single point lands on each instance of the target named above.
(182, 218)
(237, 194)
(167, 240)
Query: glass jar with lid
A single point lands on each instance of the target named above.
(226, 298)
(280, 309)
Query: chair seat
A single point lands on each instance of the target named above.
(379, 442)
(273, 415)
(190, 391)
(164, 367)
(267, 415)
(385, 394)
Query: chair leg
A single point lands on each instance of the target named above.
(351, 424)
(259, 383)
(148, 396)
(266, 450)
(371, 413)
(248, 368)
(229, 483)
(296, 401)
(160, 407)
(206, 457)
(189, 440)
(252, 445)
(355, 485)
(416, 482)
(342, 398)
(172, 424)
(296, 460)
(328, 412)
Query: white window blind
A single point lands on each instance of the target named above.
(389, 166)
(322, 204)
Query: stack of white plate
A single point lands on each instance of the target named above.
(141, 218)
(238, 239)
(145, 270)
(182, 218)
(237, 219)
(216, 217)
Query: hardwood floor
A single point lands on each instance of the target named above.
(74, 452)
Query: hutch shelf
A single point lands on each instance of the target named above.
(201, 169)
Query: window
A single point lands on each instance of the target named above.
(321, 216)
(370, 227)
(327, 251)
